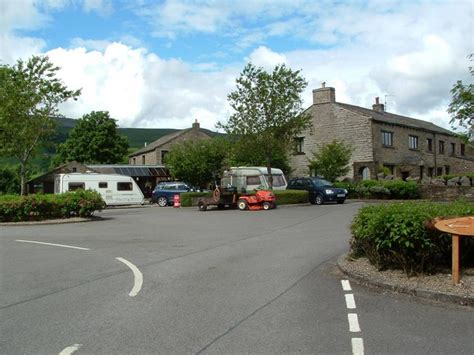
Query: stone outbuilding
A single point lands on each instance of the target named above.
(405, 146)
(155, 152)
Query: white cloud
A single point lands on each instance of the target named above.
(140, 89)
(266, 58)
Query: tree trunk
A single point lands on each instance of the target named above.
(269, 172)
(22, 178)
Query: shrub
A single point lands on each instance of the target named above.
(395, 236)
(289, 197)
(40, 207)
(404, 190)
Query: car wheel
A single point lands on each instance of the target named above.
(319, 200)
(162, 201)
(312, 200)
(340, 202)
(267, 205)
(242, 205)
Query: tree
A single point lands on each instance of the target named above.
(268, 110)
(9, 181)
(198, 162)
(29, 97)
(94, 139)
(461, 107)
(331, 161)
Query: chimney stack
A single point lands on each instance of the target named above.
(324, 95)
(196, 124)
(378, 107)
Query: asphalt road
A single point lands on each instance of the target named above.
(178, 281)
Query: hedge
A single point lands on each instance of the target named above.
(397, 236)
(283, 197)
(35, 207)
(380, 189)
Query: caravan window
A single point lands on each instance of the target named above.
(124, 186)
(278, 180)
(253, 180)
(103, 185)
(73, 186)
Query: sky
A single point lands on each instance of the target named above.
(165, 64)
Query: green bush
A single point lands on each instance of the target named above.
(395, 236)
(404, 190)
(14, 208)
(290, 197)
(380, 189)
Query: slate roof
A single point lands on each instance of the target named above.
(398, 120)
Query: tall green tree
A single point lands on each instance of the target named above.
(461, 107)
(29, 97)
(268, 110)
(94, 139)
(198, 162)
(331, 160)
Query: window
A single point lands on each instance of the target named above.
(103, 185)
(446, 169)
(164, 153)
(439, 171)
(143, 160)
(134, 161)
(387, 139)
(278, 180)
(429, 144)
(413, 142)
(73, 186)
(452, 149)
(463, 149)
(124, 186)
(299, 142)
(253, 180)
(441, 147)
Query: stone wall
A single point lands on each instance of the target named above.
(447, 193)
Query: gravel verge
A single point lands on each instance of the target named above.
(437, 287)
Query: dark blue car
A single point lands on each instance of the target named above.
(164, 192)
(319, 190)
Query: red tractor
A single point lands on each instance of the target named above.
(262, 200)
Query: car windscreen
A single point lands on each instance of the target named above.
(321, 182)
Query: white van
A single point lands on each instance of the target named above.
(252, 178)
(115, 189)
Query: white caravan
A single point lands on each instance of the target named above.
(115, 189)
(252, 178)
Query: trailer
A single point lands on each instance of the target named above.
(115, 189)
(221, 197)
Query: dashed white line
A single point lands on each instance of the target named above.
(353, 322)
(346, 286)
(70, 349)
(350, 302)
(357, 346)
(138, 277)
(51, 244)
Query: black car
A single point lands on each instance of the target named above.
(319, 190)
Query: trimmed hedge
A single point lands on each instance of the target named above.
(397, 235)
(80, 203)
(380, 189)
(283, 197)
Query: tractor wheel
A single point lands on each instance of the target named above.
(162, 201)
(243, 205)
(202, 206)
(267, 205)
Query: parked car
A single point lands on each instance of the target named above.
(163, 193)
(319, 190)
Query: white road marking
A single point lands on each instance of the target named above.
(70, 349)
(52, 244)
(357, 346)
(346, 286)
(138, 277)
(353, 322)
(350, 302)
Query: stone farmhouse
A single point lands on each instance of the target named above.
(407, 147)
(155, 152)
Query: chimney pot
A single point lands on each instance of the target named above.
(377, 100)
